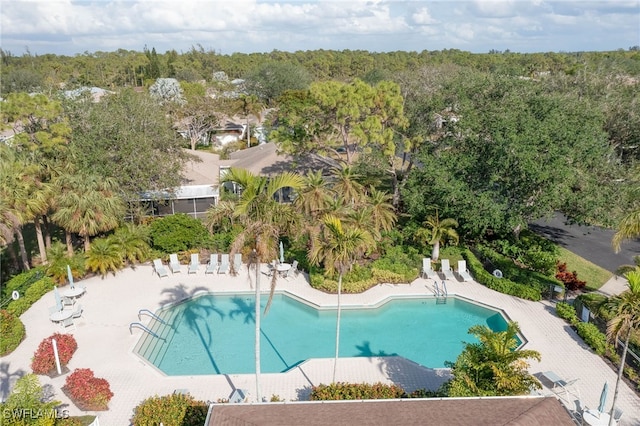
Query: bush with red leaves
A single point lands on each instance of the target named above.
(87, 391)
(44, 361)
(570, 279)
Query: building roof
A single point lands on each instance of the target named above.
(511, 411)
(203, 172)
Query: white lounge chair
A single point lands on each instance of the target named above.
(446, 270)
(427, 269)
(224, 263)
(212, 266)
(560, 384)
(159, 268)
(194, 265)
(237, 262)
(174, 263)
(463, 271)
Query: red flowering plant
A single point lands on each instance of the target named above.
(44, 361)
(88, 392)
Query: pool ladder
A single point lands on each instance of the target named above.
(440, 292)
(144, 327)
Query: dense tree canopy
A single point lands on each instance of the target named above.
(127, 137)
(509, 154)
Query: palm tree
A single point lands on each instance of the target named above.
(14, 194)
(628, 228)
(493, 367)
(626, 310)
(87, 205)
(264, 220)
(382, 211)
(132, 242)
(345, 183)
(337, 248)
(437, 231)
(315, 196)
(104, 256)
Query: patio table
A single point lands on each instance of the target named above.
(595, 418)
(283, 267)
(74, 292)
(61, 315)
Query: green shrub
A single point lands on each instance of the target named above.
(515, 273)
(389, 277)
(355, 391)
(12, 332)
(22, 281)
(592, 337)
(567, 313)
(28, 396)
(178, 232)
(401, 261)
(503, 285)
(174, 409)
(31, 295)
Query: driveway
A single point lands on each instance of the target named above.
(590, 242)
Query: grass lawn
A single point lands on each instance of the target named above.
(594, 275)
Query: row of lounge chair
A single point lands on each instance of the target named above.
(445, 269)
(217, 264)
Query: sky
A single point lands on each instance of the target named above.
(71, 27)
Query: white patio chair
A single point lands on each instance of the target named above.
(194, 265)
(174, 263)
(427, 269)
(292, 270)
(78, 312)
(159, 268)
(224, 263)
(212, 266)
(68, 324)
(446, 270)
(463, 271)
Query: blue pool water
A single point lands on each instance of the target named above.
(215, 334)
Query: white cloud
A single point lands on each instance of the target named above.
(66, 26)
(423, 17)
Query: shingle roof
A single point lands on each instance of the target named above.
(511, 411)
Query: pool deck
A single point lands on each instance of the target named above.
(105, 344)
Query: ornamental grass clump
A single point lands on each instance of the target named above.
(44, 361)
(86, 391)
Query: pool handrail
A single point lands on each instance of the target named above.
(143, 327)
(152, 315)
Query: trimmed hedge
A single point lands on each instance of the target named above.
(503, 285)
(567, 313)
(31, 295)
(592, 337)
(12, 332)
(355, 391)
(174, 409)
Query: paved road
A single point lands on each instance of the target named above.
(590, 242)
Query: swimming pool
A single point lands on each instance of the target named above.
(215, 334)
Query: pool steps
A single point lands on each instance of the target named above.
(154, 348)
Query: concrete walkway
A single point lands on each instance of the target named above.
(105, 344)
